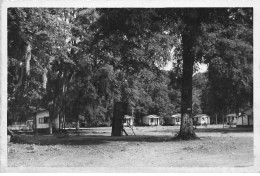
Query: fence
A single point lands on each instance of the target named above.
(18, 127)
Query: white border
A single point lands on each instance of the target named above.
(137, 4)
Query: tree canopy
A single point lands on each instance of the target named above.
(78, 62)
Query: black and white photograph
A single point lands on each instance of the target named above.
(129, 87)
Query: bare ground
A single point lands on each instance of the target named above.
(151, 147)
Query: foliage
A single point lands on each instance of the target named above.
(79, 62)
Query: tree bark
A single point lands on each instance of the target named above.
(27, 56)
(53, 119)
(120, 109)
(77, 123)
(188, 44)
(44, 78)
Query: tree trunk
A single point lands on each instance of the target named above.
(120, 109)
(64, 121)
(77, 123)
(188, 44)
(35, 124)
(223, 118)
(50, 126)
(27, 56)
(54, 119)
(44, 78)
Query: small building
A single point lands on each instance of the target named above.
(174, 119)
(41, 120)
(152, 120)
(246, 118)
(128, 120)
(232, 118)
(201, 119)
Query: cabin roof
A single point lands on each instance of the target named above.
(247, 112)
(178, 115)
(232, 115)
(201, 115)
(128, 117)
(153, 117)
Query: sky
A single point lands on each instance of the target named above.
(203, 67)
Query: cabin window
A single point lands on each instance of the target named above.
(177, 119)
(46, 120)
(43, 120)
(151, 120)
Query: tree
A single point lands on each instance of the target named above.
(230, 63)
(41, 36)
(91, 60)
(126, 35)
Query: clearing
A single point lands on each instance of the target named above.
(151, 147)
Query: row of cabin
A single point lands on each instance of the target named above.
(242, 119)
(151, 120)
(199, 119)
(41, 120)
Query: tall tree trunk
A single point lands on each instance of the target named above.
(64, 121)
(54, 119)
(77, 122)
(27, 57)
(188, 44)
(50, 126)
(120, 109)
(35, 124)
(44, 78)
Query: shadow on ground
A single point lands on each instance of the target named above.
(84, 137)
(85, 140)
(211, 130)
(224, 130)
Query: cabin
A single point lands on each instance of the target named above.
(174, 119)
(201, 119)
(41, 120)
(152, 120)
(232, 118)
(128, 120)
(245, 119)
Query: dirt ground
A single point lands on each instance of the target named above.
(150, 147)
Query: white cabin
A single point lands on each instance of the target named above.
(174, 119)
(128, 120)
(246, 118)
(232, 118)
(201, 119)
(42, 120)
(152, 120)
